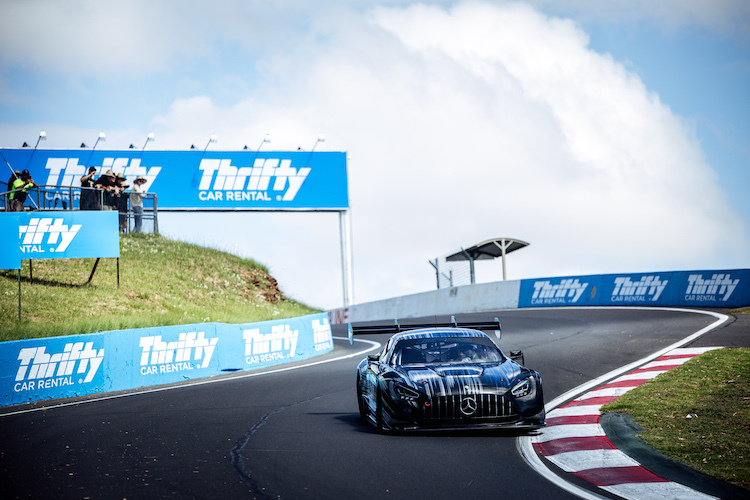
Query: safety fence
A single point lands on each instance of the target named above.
(56, 198)
(77, 365)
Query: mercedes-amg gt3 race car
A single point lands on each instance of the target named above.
(446, 377)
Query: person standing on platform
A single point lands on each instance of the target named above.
(20, 190)
(106, 182)
(137, 193)
(89, 196)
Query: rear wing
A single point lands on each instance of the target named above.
(396, 327)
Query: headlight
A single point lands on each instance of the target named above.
(523, 388)
(405, 392)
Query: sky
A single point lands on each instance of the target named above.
(613, 137)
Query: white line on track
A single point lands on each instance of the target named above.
(524, 443)
(373, 345)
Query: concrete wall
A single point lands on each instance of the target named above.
(461, 299)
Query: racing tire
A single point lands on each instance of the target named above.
(360, 401)
(379, 421)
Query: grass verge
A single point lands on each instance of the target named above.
(162, 282)
(698, 414)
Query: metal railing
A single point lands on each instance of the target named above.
(51, 198)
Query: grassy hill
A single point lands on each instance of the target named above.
(162, 282)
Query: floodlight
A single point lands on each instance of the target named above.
(150, 137)
(213, 138)
(102, 137)
(266, 138)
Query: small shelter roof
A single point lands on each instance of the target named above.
(490, 249)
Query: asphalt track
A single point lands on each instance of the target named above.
(295, 432)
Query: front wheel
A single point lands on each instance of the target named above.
(379, 421)
(360, 400)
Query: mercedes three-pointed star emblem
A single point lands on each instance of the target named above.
(468, 406)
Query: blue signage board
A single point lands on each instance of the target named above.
(727, 288)
(68, 234)
(59, 367)
(198, 180)
(10, 255)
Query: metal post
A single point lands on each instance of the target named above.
(156, 217)
(346, 257)
(437, 271)
(19, 293)
(504, 247)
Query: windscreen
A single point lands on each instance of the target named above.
(446, 351)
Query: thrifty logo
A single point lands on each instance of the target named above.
(700, 289)
(158, 356)
(40, 370)
(568, 291)
(31, 236)
(647, 288)
(261, 348)
(322, 336)
(222, 181)
(67, 172)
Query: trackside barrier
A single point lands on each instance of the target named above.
(669, 289)
(714, 289)
(76, 365)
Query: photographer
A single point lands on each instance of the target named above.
(20, 189)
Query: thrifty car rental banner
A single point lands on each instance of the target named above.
(76, 365)
(725, 288)
(62, 235)
(241, 180)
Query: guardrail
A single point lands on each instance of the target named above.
(49, 198)
(76, 365)
(712, 289)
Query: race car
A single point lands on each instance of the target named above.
(446, 376)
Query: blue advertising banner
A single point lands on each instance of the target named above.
(201, 180)
(728, 288)
(68, 234)
(59, 367)
(10, 255)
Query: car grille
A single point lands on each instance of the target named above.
(487, 406)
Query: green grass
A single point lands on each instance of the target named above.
(162, 282)
(698, 414)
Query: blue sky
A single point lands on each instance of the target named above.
(613, 137)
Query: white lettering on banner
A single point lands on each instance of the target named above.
(158, 356)
(250, 183)
(31, 236)
(700, 289)
(647, 287)
(269, 347)
(322, 336)
(40, 370)
(566, 292)
(67, 172)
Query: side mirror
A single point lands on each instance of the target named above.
(373, 357)
(517, 357)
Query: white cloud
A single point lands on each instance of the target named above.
(485, 121)
(461, 124)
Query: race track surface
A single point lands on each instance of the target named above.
(295, 433)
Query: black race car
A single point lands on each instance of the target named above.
(446, 377)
